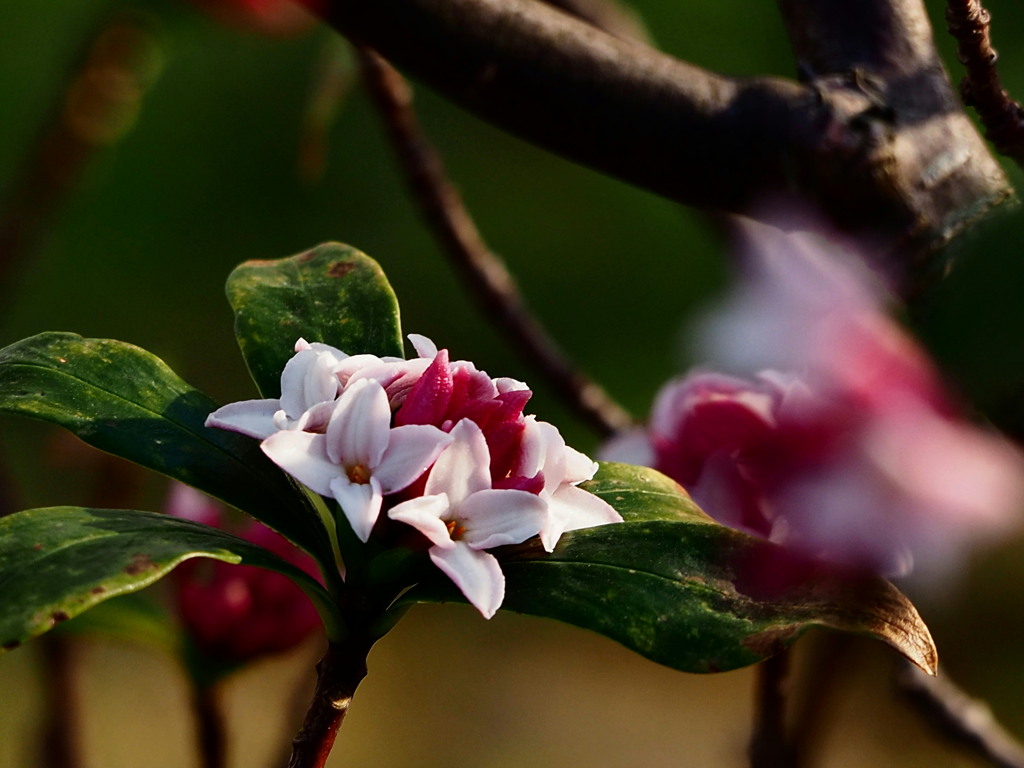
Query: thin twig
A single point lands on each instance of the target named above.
(60, 740)
(960, 719)
(488, 279)
(827, 667)
(211, 735)
(968, 22)
(613, 18)
(899, 166)
(770, 746)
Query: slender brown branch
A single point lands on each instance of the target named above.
(211, 733)
(60, 738)
(1003, 117)
(770, 745)
(960, 719)
(486, 275)
(559, 82)
(874, 35)
(828, 666)
(613, 18)
(887, 154)
(339, 673)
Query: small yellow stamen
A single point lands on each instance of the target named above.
(359, 474)
(455, 529)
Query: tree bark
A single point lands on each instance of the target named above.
(875, 138)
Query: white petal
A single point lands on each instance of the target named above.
(360, 502)
(424, 347)
(359, 426)
(463, 467)
(410, 452)
(505, 384)
(578, 466)
(571, 508)
(254, 418)
(315, 419)
(306, 381)
(327, 351)
(533, 448)
(392, 374)
(303, 455)
(477, 574)
(350, 366)
(495, 517)
(426, 515)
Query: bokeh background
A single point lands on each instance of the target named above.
(205, 161)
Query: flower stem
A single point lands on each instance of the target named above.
(210, 729)
(60, 737)
(339, 672)
(770, 746)
(960, 719)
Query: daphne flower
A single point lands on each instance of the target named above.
(462, 515)
(360, 458)
(309, 386)
(848, 447)
(361, 429)
(562, 468)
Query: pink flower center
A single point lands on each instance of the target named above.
(455, 529)
(358, 474)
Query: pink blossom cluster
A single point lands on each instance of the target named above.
(431, 443)
(840, 438)
(236, 612)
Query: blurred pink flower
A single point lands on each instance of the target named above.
(237, 613)
(844, 444)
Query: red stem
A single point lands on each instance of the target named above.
(339, 673)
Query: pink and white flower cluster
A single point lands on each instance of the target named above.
(839, 438)
(428, 442)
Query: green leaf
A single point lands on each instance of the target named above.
(642, 494)
(124, 400)
(332, 294)
(59, 561)
(687, 592)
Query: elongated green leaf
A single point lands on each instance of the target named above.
(332, 294)
(123, 400)
(59, 561)
(689, 593)
(641, 494)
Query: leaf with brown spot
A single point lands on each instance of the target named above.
(682, 590)
(140, 563)
(332, 294)
(123, 400)
(91, 555)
